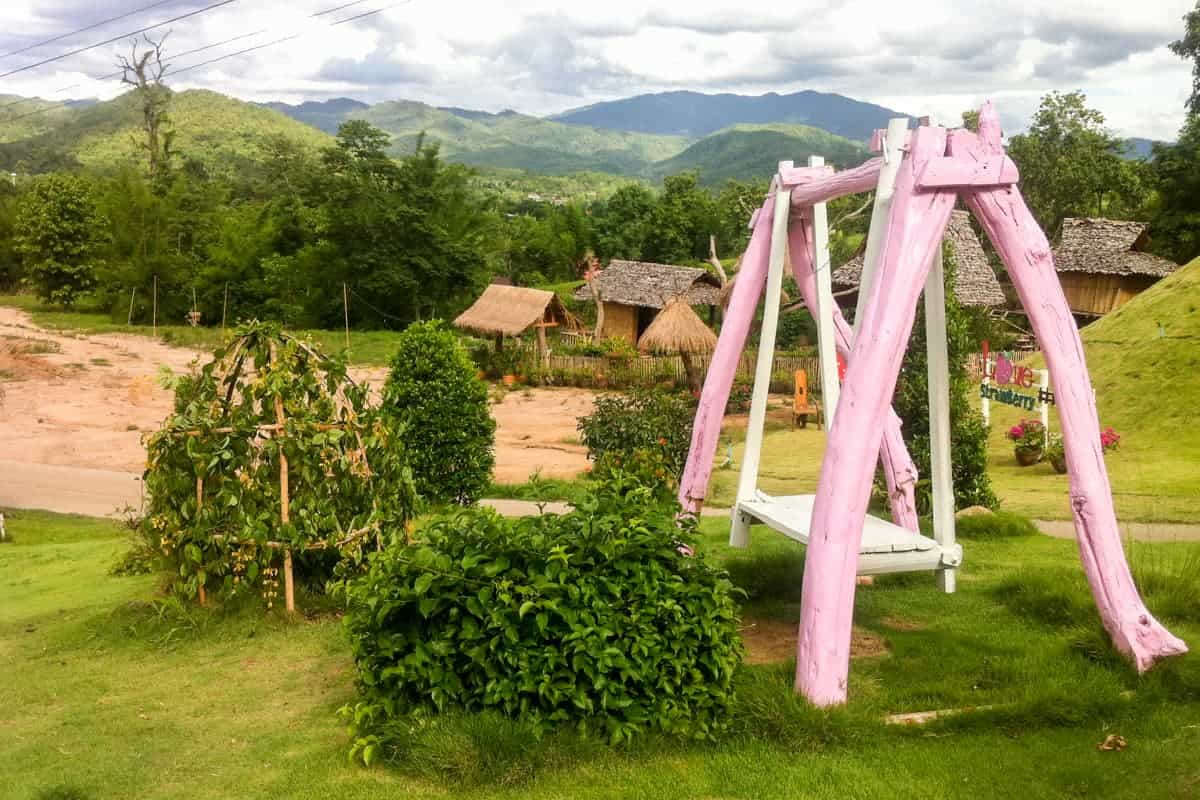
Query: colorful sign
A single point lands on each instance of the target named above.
(1004, 373)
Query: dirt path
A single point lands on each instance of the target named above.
(74, 408)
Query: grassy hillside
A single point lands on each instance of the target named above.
(219, 131)
(754, 151)
(17, 120)
(517, 141)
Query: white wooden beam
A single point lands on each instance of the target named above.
(826, 334)
(941, 475)
(739, 532)
(892, 145)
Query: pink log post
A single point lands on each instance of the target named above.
(915, 229)
(899, 472)
(706, 431)
(1026, 253)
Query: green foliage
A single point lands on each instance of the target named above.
(968, 434)
(60, 233)
(1072, 166)
(347, 478)
(997, 525)
(649, 420)
(594, 617)
(448, 433)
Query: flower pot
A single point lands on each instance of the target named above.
(1028, 456)
(1059, 463)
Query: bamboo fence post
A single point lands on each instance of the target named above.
(132, 295)
(289, 586)
(199, 502)
(224, 307)
(346, 312)
(154, 317)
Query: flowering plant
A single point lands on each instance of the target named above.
(1109, 439)
(1028, 433)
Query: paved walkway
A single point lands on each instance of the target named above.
(103, 492)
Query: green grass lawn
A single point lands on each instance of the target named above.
(108, 695)
(367, 348)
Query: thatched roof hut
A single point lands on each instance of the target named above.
(677, 329)
(1101, 264)
(633, 292)
(975, 282)
(511, 310)
(650, 285)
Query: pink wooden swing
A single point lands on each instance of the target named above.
(917, 181)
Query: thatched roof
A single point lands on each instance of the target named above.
(642, 283)
(1108, 247)
(510, 310)
(975, 282)
(677, 329)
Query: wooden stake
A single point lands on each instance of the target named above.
(346, 312)
(224, 307)
(284, 510)
(199, 502)
(132, 295)
(154, 317)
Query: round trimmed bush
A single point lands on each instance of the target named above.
(595, 617)
(448, 432)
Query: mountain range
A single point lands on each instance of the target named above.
(646, 137)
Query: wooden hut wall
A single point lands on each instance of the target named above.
(1099, 293)
(620, 322)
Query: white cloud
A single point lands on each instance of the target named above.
(537, 56)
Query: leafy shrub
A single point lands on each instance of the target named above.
(594, 617)
(645, 420)
(448, 432)
(213, 473)
(969, 453)
(999, 525)
(1028, 433)
(739, 397)
(649, 467)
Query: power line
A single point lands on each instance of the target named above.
(193, 51)
(116, 38)
(85, 30)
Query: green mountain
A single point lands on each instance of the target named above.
(516, 141)
(18, 120)
(219, 131)
(753, 151)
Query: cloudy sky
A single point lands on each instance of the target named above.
(922, 57)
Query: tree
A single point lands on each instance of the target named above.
(144, 72)
(1188, 47)
(967, 432)
(61, 236)
(624, 223)
(1175, 218)
(1071, 164)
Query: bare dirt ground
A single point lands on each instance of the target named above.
(84, 402)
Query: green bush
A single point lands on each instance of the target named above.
(999, 525)
(596, 618)
(648, 419)
(448, 432)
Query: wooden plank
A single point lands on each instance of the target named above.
(792, 177)
(942, 173)
(851, 181)
(826, 335)
(739, 534)
(897, 140)
(938, 359)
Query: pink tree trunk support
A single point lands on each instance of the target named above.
(899, 472)
(706, 430)
(915, 228)
(1026, 253)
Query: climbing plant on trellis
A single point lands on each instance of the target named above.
(273, 462)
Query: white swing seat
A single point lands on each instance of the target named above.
(885, 547)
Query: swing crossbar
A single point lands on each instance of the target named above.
(885, 546)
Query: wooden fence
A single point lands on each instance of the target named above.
(615, 373)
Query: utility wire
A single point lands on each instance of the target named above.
(79, 50)
(85, 30)
(193, 51)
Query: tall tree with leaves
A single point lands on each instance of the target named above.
(1071, 164)
(61, 236)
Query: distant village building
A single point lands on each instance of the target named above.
(975, 282)
(634, 292)
(1102, 266)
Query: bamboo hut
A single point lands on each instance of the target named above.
(511, 310)
(634, 292)
(1101, 264)
(677, 329)
(975, 282)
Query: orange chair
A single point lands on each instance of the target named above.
(801, 408)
